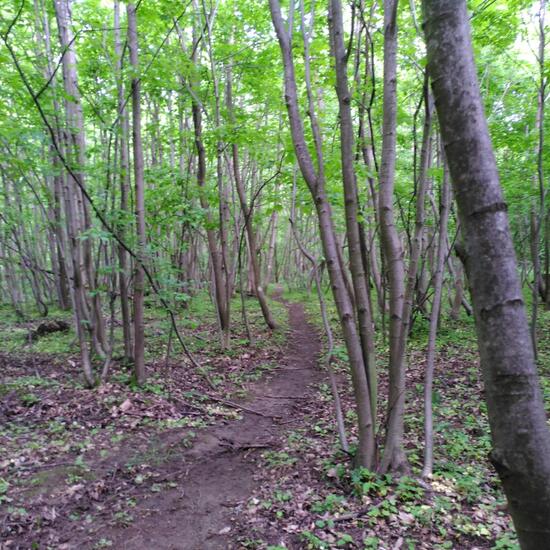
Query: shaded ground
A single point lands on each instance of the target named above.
(144, 483)
(216, 476)
(251, 463)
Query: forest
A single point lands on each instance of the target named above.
(274, 274)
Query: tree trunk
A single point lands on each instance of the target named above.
(76, 221)
(521, 439)
(445, 199)
(347, 147)
(124, 175)
(394, 458)
(248, 223)
(366, 445)
(139, 275)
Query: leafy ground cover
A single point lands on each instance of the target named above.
(310, 496)
(93, 465)
(77, 459)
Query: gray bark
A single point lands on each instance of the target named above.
(434, 322)
(394, 456)
(139, 275)
(76, 221)
(347, 146)
(520, 435)
(315, 181)
(124, 191)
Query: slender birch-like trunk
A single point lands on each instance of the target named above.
(315, 180)
(347, 147)
(445, 199)
(394, 458)
(76, 220)
(139, 275)
(124, 177)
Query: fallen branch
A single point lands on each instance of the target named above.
(351, 515)
(241, 407)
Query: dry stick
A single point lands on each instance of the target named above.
(352, 515)
(242, 407)
(328, 331)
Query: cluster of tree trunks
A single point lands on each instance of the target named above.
(386, 265)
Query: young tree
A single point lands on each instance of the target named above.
(76, 209)
(139, 276)
(521, 439)
(394, 455)
(315, 180)
(124, 175)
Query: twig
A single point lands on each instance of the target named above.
(237, 406)
(352, 515)
(284, 396)
(247, 447)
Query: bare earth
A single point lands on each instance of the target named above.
(215, 477)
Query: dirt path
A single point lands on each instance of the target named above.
(216, 476)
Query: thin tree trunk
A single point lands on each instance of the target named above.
(394, 458)
(272, 249)
(421, 187)
(248, 222)
(139, 275)
(223, 209)
(124, 175)
(340, 425)
(74, 141)
(434, 322)
(347, 147)
(214, 252)
(366, 445)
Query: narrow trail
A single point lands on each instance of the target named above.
(216, 476)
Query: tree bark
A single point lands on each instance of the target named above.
(347, 147)
(394, 455)
(248, 221)
(139, 275)
(520, 435)
(366, 445)
(444, 200)
(124, 175)
(77, 221)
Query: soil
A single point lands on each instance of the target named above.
(216, 476)
(193, 467)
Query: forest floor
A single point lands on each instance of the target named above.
(247, 459)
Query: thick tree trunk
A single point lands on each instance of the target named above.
(521, 439)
